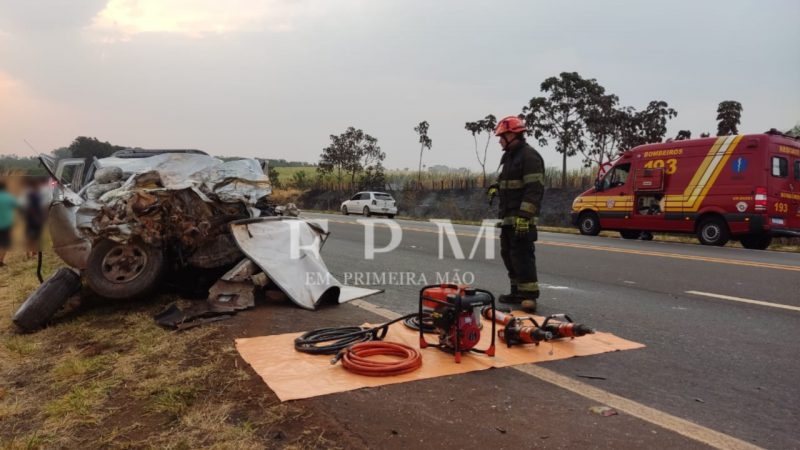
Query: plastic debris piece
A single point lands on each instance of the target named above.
(604, 411)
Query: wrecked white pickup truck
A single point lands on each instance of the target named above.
(121, 223)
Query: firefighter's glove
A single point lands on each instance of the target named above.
(522, 226)
(492, 192)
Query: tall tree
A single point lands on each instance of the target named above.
(653, 120)
(683, 135)
(729, 115)
(534, 116)
(371, 161)
(424, 142)
(86, 147)
(485, 125)
(333, 158)
(604, 124)
(561, 114)
(647, 126)
(350, 153)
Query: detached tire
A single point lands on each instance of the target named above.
(47, 299)
(756, 241)
(713, 231)
(589, 224)
(123, 271)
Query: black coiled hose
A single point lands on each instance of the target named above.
(427, 323)
(328, 341)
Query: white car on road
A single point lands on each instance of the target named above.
(369, 203)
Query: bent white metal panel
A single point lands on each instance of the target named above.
(304, 279)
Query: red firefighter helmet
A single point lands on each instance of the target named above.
(510, 124)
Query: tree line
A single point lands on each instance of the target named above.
(579, 117)
(576, 115)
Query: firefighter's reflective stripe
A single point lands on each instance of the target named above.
(528, 287)
(509, 220)
(529, 208)
(533, 178)
(510, 184)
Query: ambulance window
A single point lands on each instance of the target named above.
(780, 166)
(617, 177)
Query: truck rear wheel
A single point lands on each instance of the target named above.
(589, 224)
(713, 231)
(756, 241)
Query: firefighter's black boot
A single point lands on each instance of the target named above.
(512, 297)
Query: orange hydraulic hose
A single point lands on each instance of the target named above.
(356, 359)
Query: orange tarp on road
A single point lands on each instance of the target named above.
(294, 375)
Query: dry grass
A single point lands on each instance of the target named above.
(107, 376)
(285, 195)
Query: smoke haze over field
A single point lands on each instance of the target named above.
(273, 78)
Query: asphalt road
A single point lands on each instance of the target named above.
(728, 365)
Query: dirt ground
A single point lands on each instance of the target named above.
(105, 375)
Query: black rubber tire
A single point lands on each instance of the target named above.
(630, 234)
(713, 231)
(646, 236)
(366, 211)
(47, 299)
(391, 216)
(589, 223)
(145, 282)
(344, 210)
(756, 241)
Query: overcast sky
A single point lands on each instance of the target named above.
(274, 78)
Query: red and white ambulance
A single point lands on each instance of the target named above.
(744, 187)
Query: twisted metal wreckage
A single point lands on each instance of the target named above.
(147, 212)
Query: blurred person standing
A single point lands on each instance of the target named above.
(34, 217)
(7, 206)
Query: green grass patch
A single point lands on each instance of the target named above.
(74, 366)
(81, 403)
(285, 174)
(172, 400)
(21, 345)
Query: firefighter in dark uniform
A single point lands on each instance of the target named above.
(520, 188)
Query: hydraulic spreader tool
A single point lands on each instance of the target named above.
(526, 330)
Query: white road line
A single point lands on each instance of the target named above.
(745, 300)
(664, 420)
